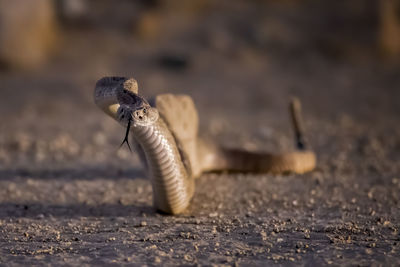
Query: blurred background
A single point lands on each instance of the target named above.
(240, 60)
(69, 195)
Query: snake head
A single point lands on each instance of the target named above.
(135, 110)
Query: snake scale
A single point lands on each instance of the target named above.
(165, 136)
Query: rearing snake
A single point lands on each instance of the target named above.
(165, 136)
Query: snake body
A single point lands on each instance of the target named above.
(166, 139)
(172, 185)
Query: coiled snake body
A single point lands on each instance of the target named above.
(165, 136)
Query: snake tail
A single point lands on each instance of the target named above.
(300, 160)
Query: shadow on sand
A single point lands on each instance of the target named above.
(47, 211)
(84, 173)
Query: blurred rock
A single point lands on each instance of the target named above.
(72, 11)
(389, 35)
(173, 61)
(161, 17)
(149, 25)
(27, 32)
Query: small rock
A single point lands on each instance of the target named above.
(188, 257)
(213, 214)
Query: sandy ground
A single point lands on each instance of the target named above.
(69, 196)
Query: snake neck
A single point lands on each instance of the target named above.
(172, 186)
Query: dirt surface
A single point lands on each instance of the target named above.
(69, 196)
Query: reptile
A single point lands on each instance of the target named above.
(165, 135)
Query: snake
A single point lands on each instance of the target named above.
(164, 131)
